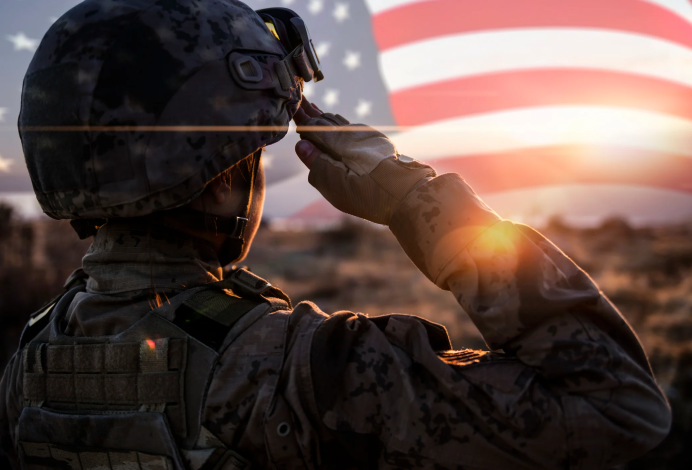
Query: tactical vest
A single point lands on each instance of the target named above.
(134, 400)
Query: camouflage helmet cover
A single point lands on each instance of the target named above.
(127, 104)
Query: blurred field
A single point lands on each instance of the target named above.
(647, 273)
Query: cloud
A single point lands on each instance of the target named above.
(3, 111)
(5, 164)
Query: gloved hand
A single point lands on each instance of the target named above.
(356, 168)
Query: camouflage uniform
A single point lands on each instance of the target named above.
(566, 386)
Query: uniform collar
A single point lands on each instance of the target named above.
(127, 256)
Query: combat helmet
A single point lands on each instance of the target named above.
(133, 106)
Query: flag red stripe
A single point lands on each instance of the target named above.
(553, 166)
(545, 87)
(430, 19)
(560, 165)
(319, 210)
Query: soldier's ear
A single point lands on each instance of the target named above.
(219, 188)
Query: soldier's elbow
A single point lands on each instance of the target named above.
(644, 419)
(607, 432)
(654, 416)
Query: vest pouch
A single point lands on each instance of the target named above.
(116, 441)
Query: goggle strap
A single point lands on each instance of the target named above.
(295, 64)
(302, 63)
(286, 74)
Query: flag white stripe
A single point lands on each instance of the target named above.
(580, 205)
(583, 205)
(486, 52)
(547, 126)
(378, 6)
(509, 130)
(290, 195)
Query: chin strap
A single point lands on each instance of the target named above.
(233, 227)
(233, 249)
(253, 176)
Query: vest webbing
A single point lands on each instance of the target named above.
(146, 376)
(83, 459)
(138, 378)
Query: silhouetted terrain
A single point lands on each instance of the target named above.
(647, 273)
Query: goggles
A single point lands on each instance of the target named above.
(291, 31)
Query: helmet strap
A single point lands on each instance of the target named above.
(233, 248)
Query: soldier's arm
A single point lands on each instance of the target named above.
(571, 387)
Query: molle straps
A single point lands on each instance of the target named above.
(87, 441)
(91, 459)
(144, 376)
(153, 355)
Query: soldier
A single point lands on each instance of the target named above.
(152, 358)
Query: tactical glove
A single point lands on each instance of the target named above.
(360, 171)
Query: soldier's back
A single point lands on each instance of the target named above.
(191, 384)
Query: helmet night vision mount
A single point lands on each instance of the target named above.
(291, 31)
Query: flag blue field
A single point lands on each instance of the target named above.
(574, 108)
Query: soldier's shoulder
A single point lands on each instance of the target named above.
(40, 319)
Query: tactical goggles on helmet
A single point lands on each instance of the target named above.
(291, 31)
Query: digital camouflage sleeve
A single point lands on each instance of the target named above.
(566, 386)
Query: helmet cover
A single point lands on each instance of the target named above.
(133, 106)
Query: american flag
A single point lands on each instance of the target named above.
(580, 108)
(576, 108)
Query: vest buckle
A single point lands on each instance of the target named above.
(249, 281)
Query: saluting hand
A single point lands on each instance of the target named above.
(356, 168)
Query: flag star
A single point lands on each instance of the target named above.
(322, 49)
(22, 42)
(315, 6)
(331, 97)
(267, 159)
(3, 111)
(5, 164)
(364, 108)
(352, 60)
(308, 89)
(341, 12)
